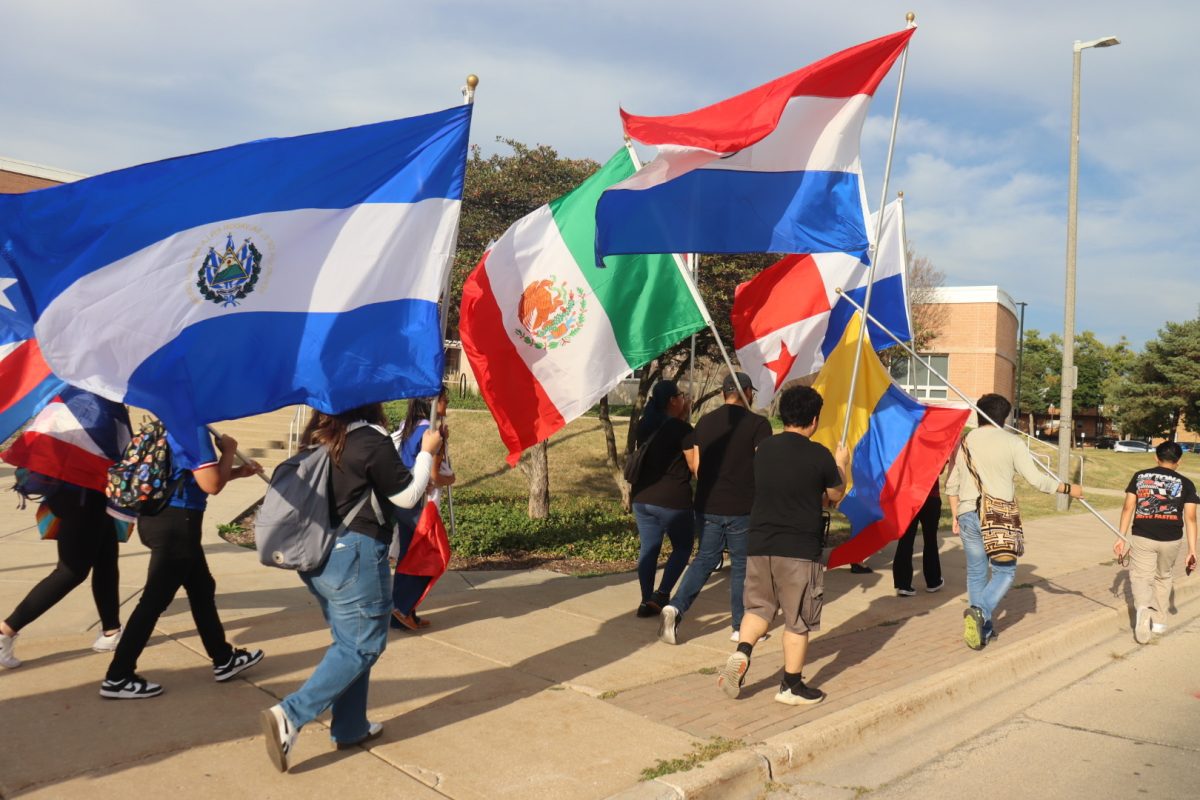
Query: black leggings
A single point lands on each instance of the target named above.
(902, 568)
(87, 542)
(176, 560)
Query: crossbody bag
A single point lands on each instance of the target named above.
(999, 521)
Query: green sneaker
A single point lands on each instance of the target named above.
(973, 628)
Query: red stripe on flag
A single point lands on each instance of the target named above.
(21, 371)
(909, 479)
(43, 453)
(739, 122)
(523, 411)
(790, 290)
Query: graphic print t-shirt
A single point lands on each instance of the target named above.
(1161, 494)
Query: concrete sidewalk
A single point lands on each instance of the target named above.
(527, 684)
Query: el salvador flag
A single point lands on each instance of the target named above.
(773, 170)
(236, 281)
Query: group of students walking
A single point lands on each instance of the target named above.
(355, 587)
(762, 498)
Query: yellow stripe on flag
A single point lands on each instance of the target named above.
(833, 383)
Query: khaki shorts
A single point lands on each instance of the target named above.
(795, 585)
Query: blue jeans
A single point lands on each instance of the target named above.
(353, 587)
(717, 532)
(652, 523)
(983, 592)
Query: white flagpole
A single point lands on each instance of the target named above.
(695, 258)
(468, 93)
(887, 174)
(913, 353)
(691, 286)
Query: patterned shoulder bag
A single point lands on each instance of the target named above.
(999, 521)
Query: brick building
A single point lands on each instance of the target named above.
(21, 176)
(976, 347)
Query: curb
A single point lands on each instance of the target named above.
(744, 773)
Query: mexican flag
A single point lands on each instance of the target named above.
(547, 332)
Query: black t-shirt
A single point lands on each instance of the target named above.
(665, 479)
(369, 459)
(1161, 494)
(727, 438)
(791, 474)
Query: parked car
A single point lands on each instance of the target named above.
(1105, 442)
(1131, 446)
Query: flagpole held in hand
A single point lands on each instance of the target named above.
(242, 458)
(468, 93)
(887, 174)
(913, 353)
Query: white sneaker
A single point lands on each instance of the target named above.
(1141, 627)
(105, 643)
(280, 735)
(736, 637)
(1158, 627)
(8, 659)
(668, 624)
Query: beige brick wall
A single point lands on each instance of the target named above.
(981, 341)
(15, 182)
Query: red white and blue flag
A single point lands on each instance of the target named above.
(772, 170)
(789, 317)
(26, 382)
(75, 438)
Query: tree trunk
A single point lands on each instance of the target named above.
(616, 464)
(535, 465)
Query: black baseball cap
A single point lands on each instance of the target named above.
(729, 386)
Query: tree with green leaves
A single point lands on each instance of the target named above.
(1163, 387)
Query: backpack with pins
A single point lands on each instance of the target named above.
(294, 527)
(140, 484)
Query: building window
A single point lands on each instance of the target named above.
(916, 379)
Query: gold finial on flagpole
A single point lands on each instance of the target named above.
(910, 18)
(900, 194)
(468, 91)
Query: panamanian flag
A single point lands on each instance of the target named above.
(789, 318)
(236, 281)
(773, 170)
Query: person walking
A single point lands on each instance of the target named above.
(794, 479)
(988, 460)
(662, 494)
(927, 518)
(720, 453)
(353, 586)
(177, 561)
(408, 590)
(1160, 505)
(86, 535)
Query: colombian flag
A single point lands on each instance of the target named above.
(898, 445)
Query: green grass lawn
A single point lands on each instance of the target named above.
(586, 519)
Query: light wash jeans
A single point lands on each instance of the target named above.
(717, 532)
(354, 589)
(985, 593)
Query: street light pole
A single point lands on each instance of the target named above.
(1066, 422)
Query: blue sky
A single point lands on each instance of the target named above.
(981, 154)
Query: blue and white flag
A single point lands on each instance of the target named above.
(233, 282)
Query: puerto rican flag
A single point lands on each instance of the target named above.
(773, 170)
(75, 438)
(26, 382)
(789, 317)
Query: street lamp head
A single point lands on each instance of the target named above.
(1107, 41)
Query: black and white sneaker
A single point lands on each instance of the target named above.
(733, 675)
(799, 695)
(280, 735)
(240, 660)
(133, 688)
